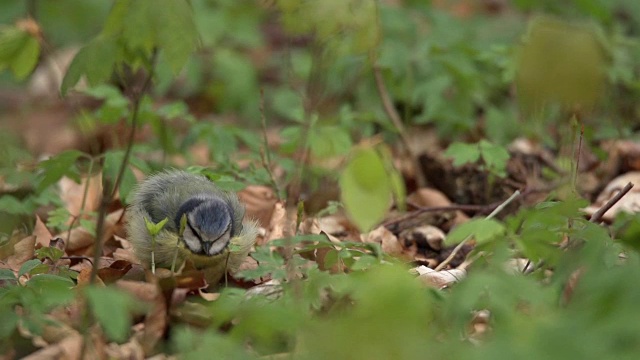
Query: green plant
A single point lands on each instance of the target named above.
(490, 157)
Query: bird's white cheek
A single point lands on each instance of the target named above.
(219, 245)
(192, 242)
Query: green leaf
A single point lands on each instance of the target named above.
(154, 229)
(26, 59)
(8, 323)
(52, 290)
(288, 103)
(58, 166)
(328, 141)
(49, 252)
(230, 185)
(462, 153)
(112, 162)
(12, 40)
(331, 258)
(28, 266)
(482, 230)
(13, 206)
(57, 218)
(8, 275)
(365, 189)
(112, 309)
(364, 262)
(95, 61)
(495, 157)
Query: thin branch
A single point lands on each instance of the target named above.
(393, 115)
(84, 200)
(265, 154)
(107, 195)
(495, 212)
(597, 216)
(463, 207)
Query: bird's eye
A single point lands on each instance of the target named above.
(193, 230)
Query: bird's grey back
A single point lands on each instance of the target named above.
(162, 195)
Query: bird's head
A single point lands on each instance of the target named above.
(209, 224)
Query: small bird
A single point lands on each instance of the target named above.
(214, 237)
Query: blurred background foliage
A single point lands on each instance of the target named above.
(468, 69)
(451, 64)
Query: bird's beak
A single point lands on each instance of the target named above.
(206, 246)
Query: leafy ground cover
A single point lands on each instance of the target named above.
(447, 179)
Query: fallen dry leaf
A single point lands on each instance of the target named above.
(259, 202)
(42, 234)
(70, 348)
(427, 235)
(277, 224)
(388, 241)
(22, 251)
(440, 279)
(72, 194)
(115, 271)
(629, 203)
(131, 350)
(429, 197)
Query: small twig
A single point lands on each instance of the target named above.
(578, 151)
(102, 215)
(461, 207)
(107, 195)
(265, 153)
(393, 115)
(597, 216)
(84, 200)
(463, 242)
(77, 257)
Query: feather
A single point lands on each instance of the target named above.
(160, 197)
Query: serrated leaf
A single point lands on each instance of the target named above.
(365, 189)
(462, 153)
(13, 206)
(482, 230)
(57, 218)
(495, 156)
(49, 252)
(58, 166)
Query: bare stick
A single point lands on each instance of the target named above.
(463, 242)
(265, 154)
(106, 195)
(393, 115)
(578, 151)
(597, 216)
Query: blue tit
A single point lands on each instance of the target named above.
(214, 238)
